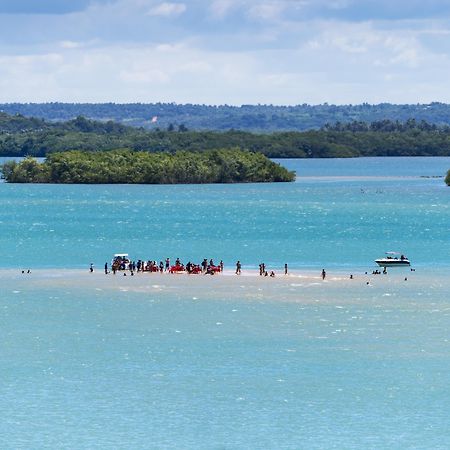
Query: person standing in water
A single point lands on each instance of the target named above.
(285, 269)
(324, 274)
(238, 268)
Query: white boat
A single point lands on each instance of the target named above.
(121, 257)
(120, 260)
(393, 259)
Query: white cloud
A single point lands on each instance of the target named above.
(220, 8)
(167, 9)
(143, 75)
(349, 45)
(373, 46)
(339, 4)
(170, 48)
(404, 50)
(184, 74)
(70, 44)
(267, 10)
(226, 51)
(122, 74)
(197, 67)
(40, 62)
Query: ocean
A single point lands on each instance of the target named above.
(175, 362)
(339, 213)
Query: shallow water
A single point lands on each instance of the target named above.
(332, 221)
(126, 363)
(175, 362)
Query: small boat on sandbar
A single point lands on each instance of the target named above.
(120, 261)
(393, 259)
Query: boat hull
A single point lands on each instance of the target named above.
(388, 262)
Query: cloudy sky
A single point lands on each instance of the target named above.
(225, 51)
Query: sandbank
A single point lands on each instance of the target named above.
(303, 286)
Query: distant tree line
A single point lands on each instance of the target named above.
(386, 126)
(21, 136)
(129, 167)
(255, 118)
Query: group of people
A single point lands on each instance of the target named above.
(124, 264)
(121, 263)
(266, 273)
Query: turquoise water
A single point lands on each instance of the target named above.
(336, 221)
(194, 363)
(378, 167)
(84, 367)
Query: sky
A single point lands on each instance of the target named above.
(282, 52)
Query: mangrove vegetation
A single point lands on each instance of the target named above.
(129, 167)
(22, 136)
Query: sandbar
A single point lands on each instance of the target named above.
(302, 286)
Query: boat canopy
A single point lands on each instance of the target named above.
(122, 255)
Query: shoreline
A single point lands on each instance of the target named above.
(253, 273)
(309, 274)
(303, 287)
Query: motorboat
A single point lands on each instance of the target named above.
(393, 259)
(120, 261)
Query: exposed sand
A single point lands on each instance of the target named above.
(298, 286)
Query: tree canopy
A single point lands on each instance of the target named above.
(21, 136)
(128, 167)
(255, 118)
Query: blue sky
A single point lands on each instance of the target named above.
(225, 51)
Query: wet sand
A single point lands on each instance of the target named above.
(298, 286)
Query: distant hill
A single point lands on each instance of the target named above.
(255, 118)
(19, 123)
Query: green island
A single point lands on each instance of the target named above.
(131, 167)
(22, 136)
(447, 178)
